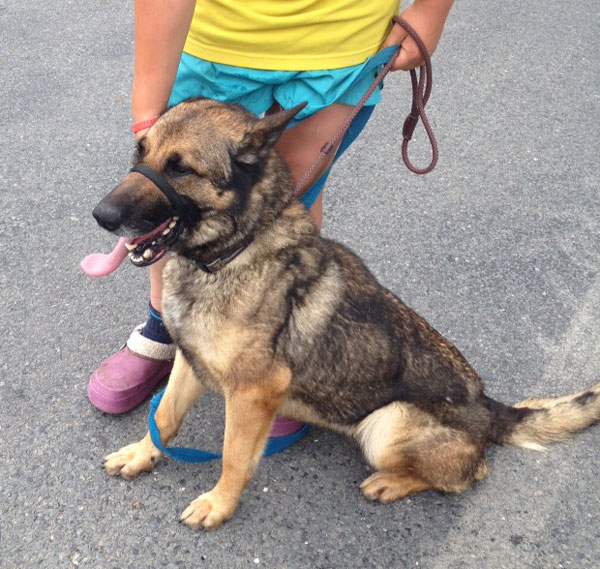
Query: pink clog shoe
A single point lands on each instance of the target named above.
(127, 378)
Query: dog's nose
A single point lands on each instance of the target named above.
(108, 216)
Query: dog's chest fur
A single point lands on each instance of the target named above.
(218, 321)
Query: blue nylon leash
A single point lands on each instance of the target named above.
(192, 455)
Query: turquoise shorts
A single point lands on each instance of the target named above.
(257, 90)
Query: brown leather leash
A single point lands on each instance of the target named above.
(421, 89)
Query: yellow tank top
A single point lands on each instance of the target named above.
(289, 35)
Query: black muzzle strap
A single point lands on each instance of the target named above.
(178, 203)
(181, 208)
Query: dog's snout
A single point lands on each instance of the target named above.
(108, 215)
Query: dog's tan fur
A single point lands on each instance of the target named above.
(296, 325)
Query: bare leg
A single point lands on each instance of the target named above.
(155, 272)
(301, 144)
(182, 391)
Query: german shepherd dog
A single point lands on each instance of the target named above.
(281, 321)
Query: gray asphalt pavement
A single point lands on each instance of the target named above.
(498, 249)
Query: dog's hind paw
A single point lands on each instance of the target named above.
(389, 486)
(207, 511)
(131, 460)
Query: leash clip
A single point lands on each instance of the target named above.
(327, 148)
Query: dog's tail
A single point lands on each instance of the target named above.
(533, 422)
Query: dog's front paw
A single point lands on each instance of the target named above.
(132, 459)
(207, 511)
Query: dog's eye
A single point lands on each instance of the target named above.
(177, 168)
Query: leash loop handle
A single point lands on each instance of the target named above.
(421, 90)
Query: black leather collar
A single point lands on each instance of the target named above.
(219, 262)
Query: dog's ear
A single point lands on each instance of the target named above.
(264, 134)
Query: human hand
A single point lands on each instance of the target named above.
(427, 17)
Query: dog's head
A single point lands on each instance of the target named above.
(220, 162)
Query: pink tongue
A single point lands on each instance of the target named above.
(100, 264)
